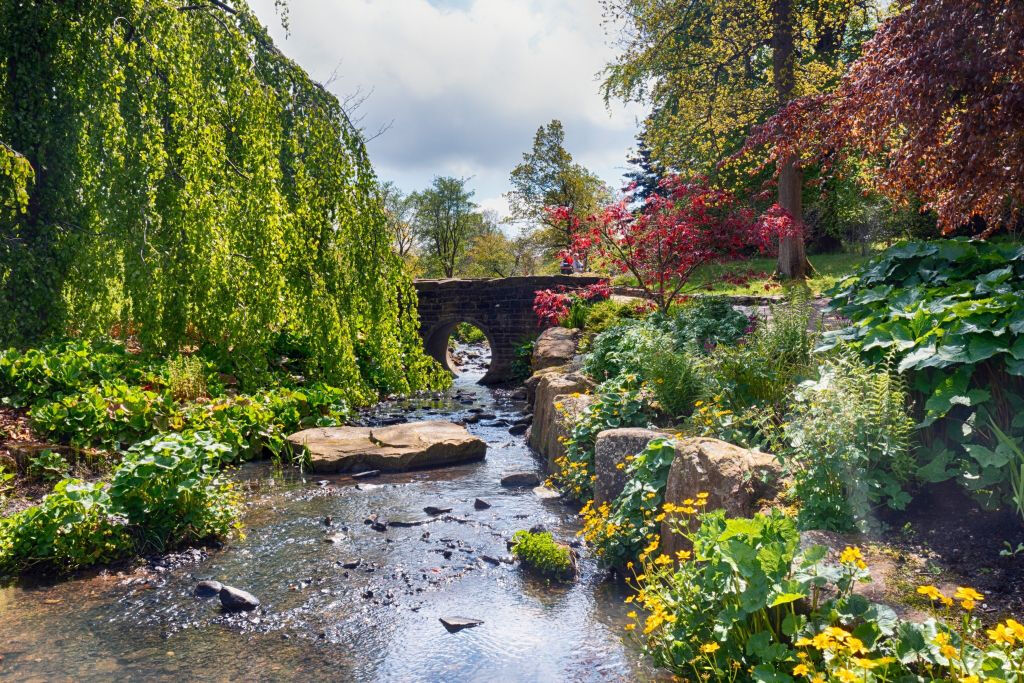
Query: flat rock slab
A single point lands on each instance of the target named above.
(454, 624)
(396, 448)
(520, 480)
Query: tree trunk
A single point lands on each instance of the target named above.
(792, 262)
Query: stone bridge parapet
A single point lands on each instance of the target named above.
(501, 307)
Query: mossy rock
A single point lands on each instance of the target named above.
(541, 554)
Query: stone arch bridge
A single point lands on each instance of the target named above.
(501, 307)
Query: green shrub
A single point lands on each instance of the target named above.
(608, 313)
(48, 466)
(952, 312)
(706, 322)
(765, 367)
(72, 527)
(55, 370)
(619, 403)
(625, 348)
(619, 531)
(522, 366)
(579, 311)
(186, 378)
(542, 554)
(172, 492)
(468, 334)
(850, 433)
(111, 414)
(749, 604)
(677, 380)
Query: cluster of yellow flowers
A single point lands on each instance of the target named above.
(968, 597)
(1009, 633)
(847, 654)
(852, 556)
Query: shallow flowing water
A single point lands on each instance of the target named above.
(319, 620)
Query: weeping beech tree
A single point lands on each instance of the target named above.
(166, 172)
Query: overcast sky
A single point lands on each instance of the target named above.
(466, 83)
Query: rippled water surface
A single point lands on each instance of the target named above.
(318, 620)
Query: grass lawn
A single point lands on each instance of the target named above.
(829, 269)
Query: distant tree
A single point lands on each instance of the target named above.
(548, 177)
(644, 178)
(445, 221)
(936, 106)
(712, 69)
(495, 254)
(400, 209)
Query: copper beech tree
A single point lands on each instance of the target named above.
(934, 106)
(686, 226)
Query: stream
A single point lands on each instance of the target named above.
(321, 616)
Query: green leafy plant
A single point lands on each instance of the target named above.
(541, 553)
(55, 370)
(952, 312)
(619, 403)
(522, 365)
(850, 434)
(72, 527)
(48, 466)
(186, 378)
(677, 381)
(468, 334)
(766, 366)
(625, 348)
(1011, 448)
(171, 491)
(747, 603)
(706, 322)
(618, 532)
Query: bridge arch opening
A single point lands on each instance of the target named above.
(462, 347)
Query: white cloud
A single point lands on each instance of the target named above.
(465, 83)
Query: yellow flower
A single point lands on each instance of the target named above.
(853, 556)
(630, 627)
(968, 604)
(1002, 635)
(804, 642)
(631, 615)
(930, 591)
(846, 676)
(621, 466)
(855, 645)
(970, 679)
(663, 559)
(1016, 627)
(949, 652)
(801, 670)
(941, 639)
(964, 593)
(710, 648)
(683, 555)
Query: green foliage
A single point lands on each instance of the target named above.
(542, 554)
(57, 369)
(522, 366)
(763, 370)
(620, 402)
(5, 484)
(171, 491)
(111, 414)
(1015, 467)
(166, 492)
(752, 605)
(193, 187)
(469, 334)
(579, 311)
(186, 378)
(608, 313)
(48, 466)
(706, 322)
(952, 313)
(618, 532)
(72, 527)
(625, 348)
(850, 433)
(677, 380)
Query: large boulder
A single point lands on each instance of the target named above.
(560, 399)
(394, 448)
(555, 346)
(737, 480)
(612, 448)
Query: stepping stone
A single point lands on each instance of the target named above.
(455, 624)
(431, 510)
(481, 504)
(520, 479)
